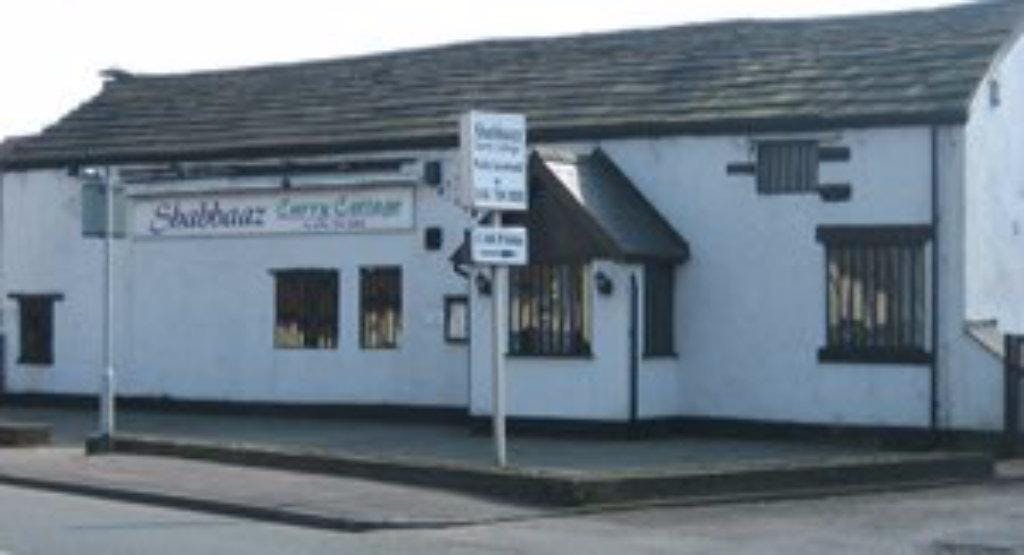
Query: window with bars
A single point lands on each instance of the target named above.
(787, 167)
(659, 310)
(35, 328)
(380, 306)
(549, 310)
(306, 315)
(877, 291)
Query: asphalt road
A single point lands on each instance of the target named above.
(985, 519)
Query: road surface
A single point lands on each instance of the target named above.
(987, 519)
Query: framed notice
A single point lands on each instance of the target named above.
(456, 319)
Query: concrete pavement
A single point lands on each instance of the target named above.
(440, 442)
(307, 499)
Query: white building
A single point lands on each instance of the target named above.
(801, 222)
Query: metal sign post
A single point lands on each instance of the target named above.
(499, 276)
(494, 178)
(108, 388)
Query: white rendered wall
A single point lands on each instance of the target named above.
(593, 387)
(45, 253)
(995, 196)
(750, 312)
(196, 315)
(970, 378)
(751, 301)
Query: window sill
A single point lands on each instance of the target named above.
(578, 356)
(656, 356)
(276, 348)
(36, 363)
(874, 356)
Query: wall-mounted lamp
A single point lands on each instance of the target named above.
(605, 285)
(483, 284)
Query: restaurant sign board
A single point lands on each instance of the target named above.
(493, 161)
(274, 212)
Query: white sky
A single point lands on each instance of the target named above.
(52, 50)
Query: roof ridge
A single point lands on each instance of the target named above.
(121, 75)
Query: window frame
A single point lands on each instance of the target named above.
(898, 247)
(651, 350)
(581, 336)
(379, 301)
(308, 274)
(814, 167)
(449, 302)
(48, 355)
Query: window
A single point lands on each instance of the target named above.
(877, 286)
(35, 328)
(380, 302)
(787, 167)
(456, 319)
(549, 311)
(659, 310)
(307, 309)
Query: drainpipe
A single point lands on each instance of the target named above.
(934, 382)
(634, 350)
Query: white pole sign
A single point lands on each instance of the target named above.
(499, 246)
(494, 161)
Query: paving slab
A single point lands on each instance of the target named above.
(308, 499)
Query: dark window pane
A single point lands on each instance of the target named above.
(35, 329)
(380, 306)
(306, 309)
(548, 311)
(787, 166)
(659, 306)
(876, 295)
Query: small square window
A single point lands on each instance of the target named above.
(787, 167)
(35, 328)
(432, 238)
(307, 309)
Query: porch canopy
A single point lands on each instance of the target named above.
(583, 207)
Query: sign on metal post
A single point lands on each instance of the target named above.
(494, 178)
(494, 161)
(499, 246)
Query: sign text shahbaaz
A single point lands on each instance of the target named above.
(359, 210)
(494, 161)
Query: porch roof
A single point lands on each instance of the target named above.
(582, 207)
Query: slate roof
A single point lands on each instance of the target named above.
(902, 68)
(583, 207)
